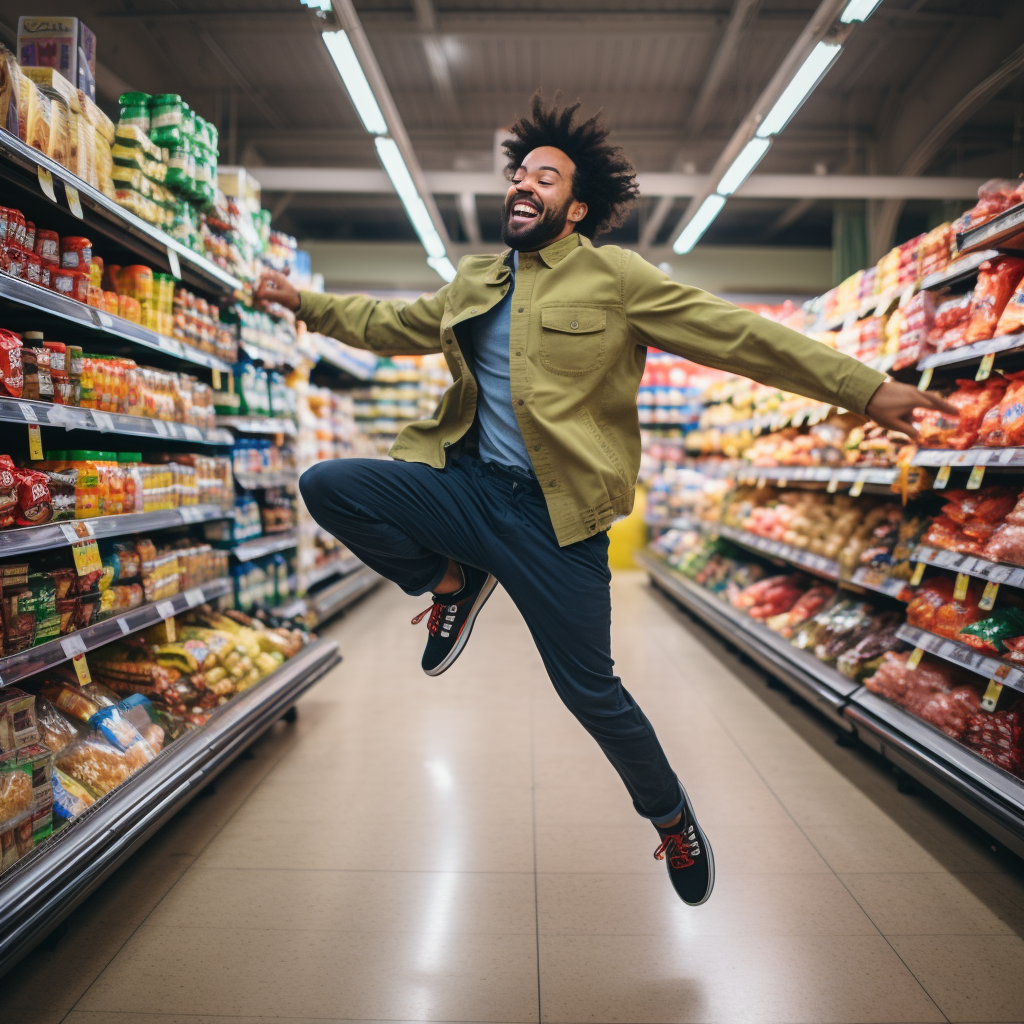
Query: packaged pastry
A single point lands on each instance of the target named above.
(77, 701)
(18, 722)
(56, 730)
(96, 763)
(16, 840)
(15, 791)
(37, 761)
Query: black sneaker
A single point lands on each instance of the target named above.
(451, 619)
(691, 864)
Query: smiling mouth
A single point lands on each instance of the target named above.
(523, 212)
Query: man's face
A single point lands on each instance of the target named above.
(539, 208)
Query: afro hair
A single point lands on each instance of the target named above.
(604, 178)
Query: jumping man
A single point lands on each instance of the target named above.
(534, 450)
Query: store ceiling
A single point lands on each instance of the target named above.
(461, 69)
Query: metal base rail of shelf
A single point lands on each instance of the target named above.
(988, 796)
(44, 887)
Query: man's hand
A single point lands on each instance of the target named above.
(892, 406)
(275, 287)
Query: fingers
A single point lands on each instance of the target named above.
(936, 401)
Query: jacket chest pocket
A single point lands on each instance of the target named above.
(573, 339)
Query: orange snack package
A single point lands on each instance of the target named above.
(973, 400)
(997, 280)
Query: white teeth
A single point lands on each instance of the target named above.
(523, 208)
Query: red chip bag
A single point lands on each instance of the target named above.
(973, 400)
(997, 280)
(930, 597)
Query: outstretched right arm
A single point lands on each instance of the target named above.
(389, 328)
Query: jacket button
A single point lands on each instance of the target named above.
(519, 353)
(536, 447)
(520, 309)
(553, 483)
(574, 324)
(592, 527)
(447, 444)
(472, 311)
(519, 401)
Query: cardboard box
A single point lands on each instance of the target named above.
(62, 43)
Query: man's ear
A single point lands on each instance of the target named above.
(577, 212)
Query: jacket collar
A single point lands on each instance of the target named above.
(550, 256)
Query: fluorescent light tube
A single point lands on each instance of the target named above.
(858, 10)
(691, 234)
(359, 91)
(391, 158)
(443, 266)
(749, 157)
(818, 61)
(317, 5)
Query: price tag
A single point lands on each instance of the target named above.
(165, 609)
(74, 201)
(123, 626)
(173, 429)
(782, 482)
(857, 486)
(172, 346)
(103, 421)
(160, 427)
(103, 319)
(72, 645)
(35, 442)
(192, 433)
(46, 183)
(74, 532)
(991, 698)
(833, 483)
(941, 478)
(216, 379)
(960, 588)
(926, 379)
(914, 659)
(81, 669)
(908, 294)
(190, 514)
(170, 634)
(86, 554)
(1006, 455)
(194, 597)
(761, 482)
(985, 366)
(28, 412)
(988, 597)
(974, 480)
(172, 259)
(918, 574)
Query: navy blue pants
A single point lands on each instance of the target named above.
(405, 520)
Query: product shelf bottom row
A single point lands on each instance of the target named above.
(990, 797)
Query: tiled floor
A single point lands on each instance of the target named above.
(457, 849)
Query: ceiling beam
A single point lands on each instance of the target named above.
(743, 13)
(757, 186)
(468, 216)
(813, 32)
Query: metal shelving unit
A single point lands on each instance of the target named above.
(265, 545)
(44, 887)
(1004, 233)
(27, 539)
(987, 795)
(20, 167)
(23, 664)
(70, 417)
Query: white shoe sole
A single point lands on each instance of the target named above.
(706, 847)
(481, 599)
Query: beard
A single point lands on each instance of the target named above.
(548, 224)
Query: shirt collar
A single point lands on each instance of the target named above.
(550, 255)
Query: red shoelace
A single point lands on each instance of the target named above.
(434, 622)
(681, 858)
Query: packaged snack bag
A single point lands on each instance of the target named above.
(930, 597)
(997, 280)
(70, 797)
(96, 763)
(973, 400)
(18, 721)
(989, 634)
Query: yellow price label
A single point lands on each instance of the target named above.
(991, 698)
(86, 554)
(914, 658)
(35, 442)
(941, 478)
(926, 379)
(962, 583)
(833, 484)
(81, 669)
(988, 597)
(74, 201)
(46, 183)
(985, 366)
(974, 480)
(857, 487)
(916, 578)
(216, 379)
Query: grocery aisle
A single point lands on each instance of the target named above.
(417, 849)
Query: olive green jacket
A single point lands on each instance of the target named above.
(582, 320)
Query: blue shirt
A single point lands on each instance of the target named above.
(500, 438)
